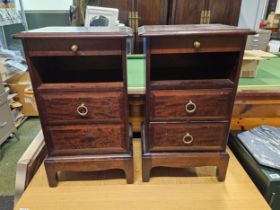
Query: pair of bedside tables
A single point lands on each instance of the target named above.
(80, 84)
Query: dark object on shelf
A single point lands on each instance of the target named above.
(80, 85)
(266, 179)
(99, 21)
(191, 82)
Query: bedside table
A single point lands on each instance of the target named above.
(79, 79)
(191, 82)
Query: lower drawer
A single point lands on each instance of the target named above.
(206, 136)
(86, 139)
(6, 121)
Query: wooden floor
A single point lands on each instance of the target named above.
(172, 189)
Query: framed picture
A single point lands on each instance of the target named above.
(101, 17)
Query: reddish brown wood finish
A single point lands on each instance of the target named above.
(184, 44)
(185, 160)
(99, 139)
(102, 106)
(206, 136)
(171, 136)
(170, 105)
(86, 139)
(60, 47)
(88, 163)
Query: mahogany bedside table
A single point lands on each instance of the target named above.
(80, 85)
(191, 82)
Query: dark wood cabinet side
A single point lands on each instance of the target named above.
(224, 11)
(187, 11)
(152, 12)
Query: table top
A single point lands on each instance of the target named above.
(168, 189)
(192, 29)
(75, 32)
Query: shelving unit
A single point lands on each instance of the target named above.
(23, 22)
(7, 125)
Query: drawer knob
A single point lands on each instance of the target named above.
(2, 125)
(188, 139)
(196, 44)
(190, 107)
(82, 110)
(74, 48)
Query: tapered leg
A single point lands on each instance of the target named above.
(146, 169)
(51, 174)
(222, 167)
(128, 170)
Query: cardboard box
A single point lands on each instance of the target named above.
(273, 20)
(251, 61)
(21, 85)
(258, 41)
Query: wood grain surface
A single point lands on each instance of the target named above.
(208, 136)
(86, 139)
(172, 105)
(168, 189)
(61, 107)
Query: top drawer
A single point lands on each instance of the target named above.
(183, 105)
(81, 107)
(192, 44)
(72, 47)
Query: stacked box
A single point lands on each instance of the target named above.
(259, 41)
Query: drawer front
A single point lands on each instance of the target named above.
(6, 121)
(188, 136)
(86, 139)
(76, 107)
(173, 105)
(185, 44)
(71, 47)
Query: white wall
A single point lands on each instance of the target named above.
(252, 12)
(45, 4)
(278, 7)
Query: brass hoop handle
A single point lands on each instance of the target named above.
(190, 107)
(196, 44)
(82, 110)
(74, 48)
(188, 139)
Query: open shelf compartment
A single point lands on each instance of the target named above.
(193, 66)
(77, 69)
